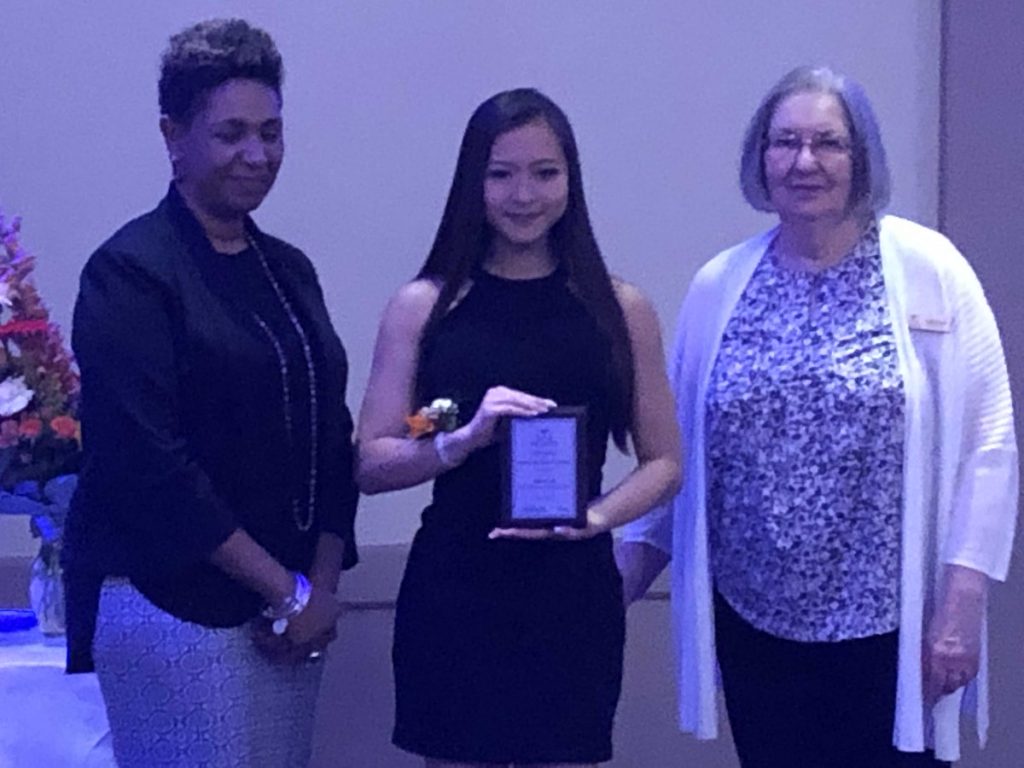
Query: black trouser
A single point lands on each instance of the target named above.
(810, 705)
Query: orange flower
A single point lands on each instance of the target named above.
(64, 426)
(30, 427)
(420, 424)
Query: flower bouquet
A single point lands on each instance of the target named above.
(40, 436)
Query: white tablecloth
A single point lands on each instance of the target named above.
(48, 719)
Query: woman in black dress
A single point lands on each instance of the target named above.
(508, 643)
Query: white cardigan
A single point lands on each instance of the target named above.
(960, 480)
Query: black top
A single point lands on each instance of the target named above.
(184, 420)
(532, 335)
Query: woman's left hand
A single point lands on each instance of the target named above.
(952, 648)
(558, 533)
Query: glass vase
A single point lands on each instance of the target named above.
(46, 594)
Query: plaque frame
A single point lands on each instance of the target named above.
(507, 517)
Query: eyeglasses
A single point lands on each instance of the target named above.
(824, 146)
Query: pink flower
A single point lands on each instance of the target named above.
(64, 426)
(30, 427)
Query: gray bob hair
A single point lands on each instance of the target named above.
(871, 185)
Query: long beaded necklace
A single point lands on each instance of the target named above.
(303, 522)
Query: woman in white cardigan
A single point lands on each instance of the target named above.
(852, 478)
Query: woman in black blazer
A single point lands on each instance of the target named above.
(215, 508)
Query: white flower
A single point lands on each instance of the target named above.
(14, 395)
(6, 294)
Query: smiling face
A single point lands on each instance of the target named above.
(808, 168)
(526, 184)
(229, 155)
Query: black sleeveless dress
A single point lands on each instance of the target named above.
(509, 651)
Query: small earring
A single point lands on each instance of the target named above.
(175, 166)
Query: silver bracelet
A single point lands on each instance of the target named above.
(448, 453)
(291, 607)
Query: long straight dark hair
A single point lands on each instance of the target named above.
(464, 235)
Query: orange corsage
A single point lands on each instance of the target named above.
(442, 415)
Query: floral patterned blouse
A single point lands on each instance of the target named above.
(805, 452)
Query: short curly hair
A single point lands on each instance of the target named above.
(205, 55)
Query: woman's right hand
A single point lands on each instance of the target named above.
(309, 632)
(316, 620)
(498, 403)
(453, 448)
(279, 650)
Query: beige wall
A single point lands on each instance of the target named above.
(375, 100)
(982, 210)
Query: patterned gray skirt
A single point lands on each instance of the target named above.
(186, 696)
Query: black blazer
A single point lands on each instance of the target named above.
(183, 425)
